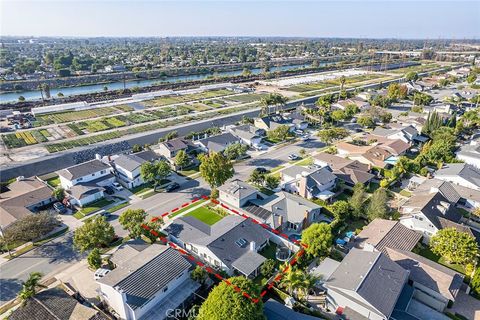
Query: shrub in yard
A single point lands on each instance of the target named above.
(268, 268)
(94, 259)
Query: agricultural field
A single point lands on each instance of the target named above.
(56, 147)
(61, 117)
(419, 68)
(246, 98)
(214, 103)
(163, 101)
(334, 83)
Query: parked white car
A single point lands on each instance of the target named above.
(100, 273)
(117, 186)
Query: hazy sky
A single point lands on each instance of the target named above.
(375, 19)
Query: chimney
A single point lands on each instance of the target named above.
(20, 178)
(253, 246)
(302, 188)
(305, 220)
(280, 221)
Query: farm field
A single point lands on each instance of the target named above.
(246, 98)
(61, 117)
(163, 101)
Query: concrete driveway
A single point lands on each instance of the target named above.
(80, 277)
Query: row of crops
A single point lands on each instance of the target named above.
(56, 147)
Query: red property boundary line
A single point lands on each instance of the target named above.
(245, 294)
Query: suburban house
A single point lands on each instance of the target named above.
(217, 143)
(249, 135)
(365, 285)
(272, 122)
(147, 282)
(427, 212)
(407, 134)
(170, 148)
(470, 153)
(361, 104)
(127, 170)
(349, 171)
(308, 182)
(381, 153)
(287, 212)
(231, 244)
(381, 234)
(55, 304)
(237, 193)
(24, 196)
(84, 182)
(434, 285)
(454, 193)
(463, 174)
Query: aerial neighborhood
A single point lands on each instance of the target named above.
(259, 182)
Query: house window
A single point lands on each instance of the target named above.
(79, 179)
(194, 249)
(102, 172)
(93, 174)
(165, 289)
(216, 263)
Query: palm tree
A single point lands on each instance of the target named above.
(308, 282)
(29, 287)
(342, 84)
(292, 280)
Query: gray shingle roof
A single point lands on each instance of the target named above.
(428, 273)
(274, 310)
(383, 234)
(220, 238)
(83, 169)
(238, 188)
(464, 170)
(147, 273)
(54, 304)
(129, 162)
(373, 276)
(176, 144)
(289, 206)
(128, 250)
(219, 142)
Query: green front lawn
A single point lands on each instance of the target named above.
(176, 213)
(304, 162)
(54, 182)
(205, 215)
(142, 188)
(92, 207)
(427, 253)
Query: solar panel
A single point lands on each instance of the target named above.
(257, 211)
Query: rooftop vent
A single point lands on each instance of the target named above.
(241, 242)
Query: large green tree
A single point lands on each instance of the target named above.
(340, 210)
(181, 159)
(30, 227)
(377, 206)
(455, 246)
(332, 134)
(132, 220)
(280, 133)
(318, 238)
(223, 302)
(94, 259)
(357, 199)
(215, 169)
(235, 151)
(155, 172)
(94, 233)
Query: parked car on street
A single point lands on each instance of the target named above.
(172, 186)
(293, 156)
(261, 170)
